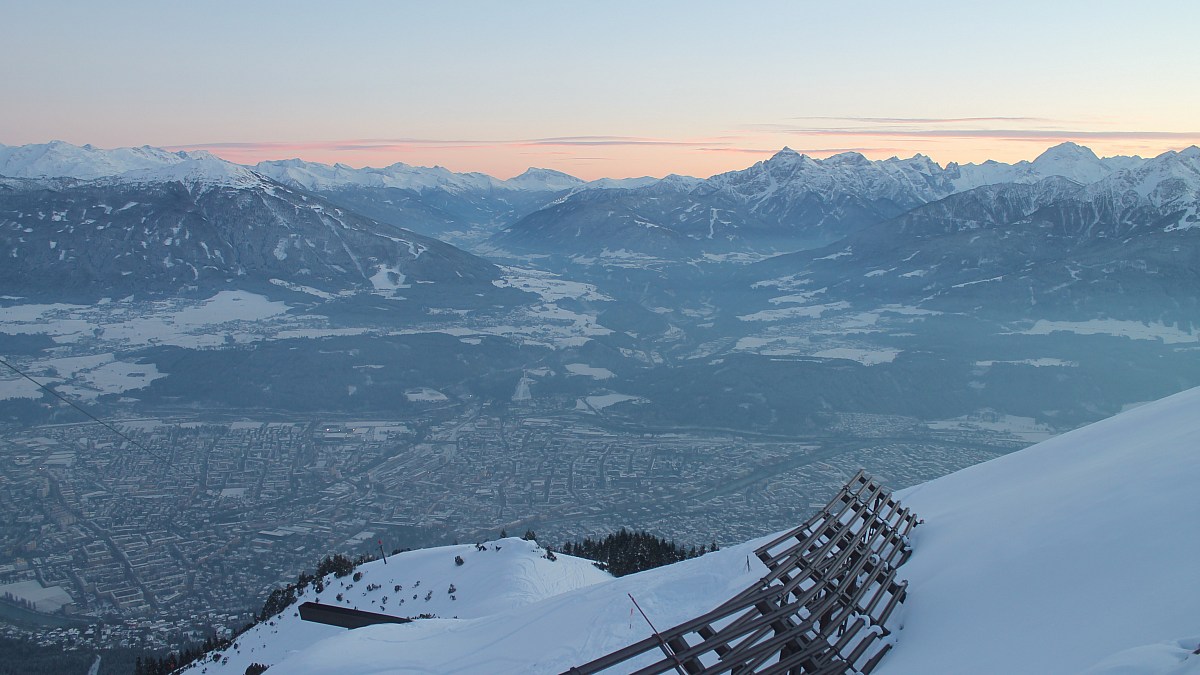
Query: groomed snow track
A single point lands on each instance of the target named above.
(822, 608)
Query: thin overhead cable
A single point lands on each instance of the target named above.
(95, 419)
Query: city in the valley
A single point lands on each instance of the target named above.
(188, 531)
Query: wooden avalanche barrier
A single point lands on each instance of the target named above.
(822, 608)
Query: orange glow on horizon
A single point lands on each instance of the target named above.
(591, 157)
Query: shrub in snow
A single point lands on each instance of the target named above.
(458, 560)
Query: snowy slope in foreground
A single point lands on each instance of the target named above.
(547, 637)
(1056, 558)
(1075, 555)
(510, 573)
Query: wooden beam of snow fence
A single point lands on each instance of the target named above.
(821, 609)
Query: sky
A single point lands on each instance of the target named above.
(595, 89)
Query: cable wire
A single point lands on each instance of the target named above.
(95, 419)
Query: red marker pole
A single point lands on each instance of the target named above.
(661, 642)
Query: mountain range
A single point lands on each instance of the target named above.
(793, 201)
(787, 202)
(1123, 242)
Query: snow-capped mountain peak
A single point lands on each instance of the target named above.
(543, 179)
(784, 160)
(849, 158)
(1070, 160)
(196, 169)
(1067, 150)
(59, 159)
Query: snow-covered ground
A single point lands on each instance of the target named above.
(425, 395)
(88, 377)
(1027, 429)
(867, 357)
(545, 637)
(796, 312)
(602, 401)
(550, 287)
(1075, 555)
(129, 324)
(593, 372)
(509, 574)
(1057, 557)
(1115, 327)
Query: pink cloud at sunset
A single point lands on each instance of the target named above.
(618, 156)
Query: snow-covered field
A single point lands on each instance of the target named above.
(128, 324)
(590, 371)
(99, 333)
(550, 287)
(1115, 327)
(1074, 555)
(797, 312)
(86, 377)
(1036, 363)
(826, 331)
(602, 401)
(867, 357)
(425, 395)
(1025, 428)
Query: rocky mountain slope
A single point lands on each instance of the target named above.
(202, 223)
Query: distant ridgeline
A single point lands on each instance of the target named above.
(822, 608)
